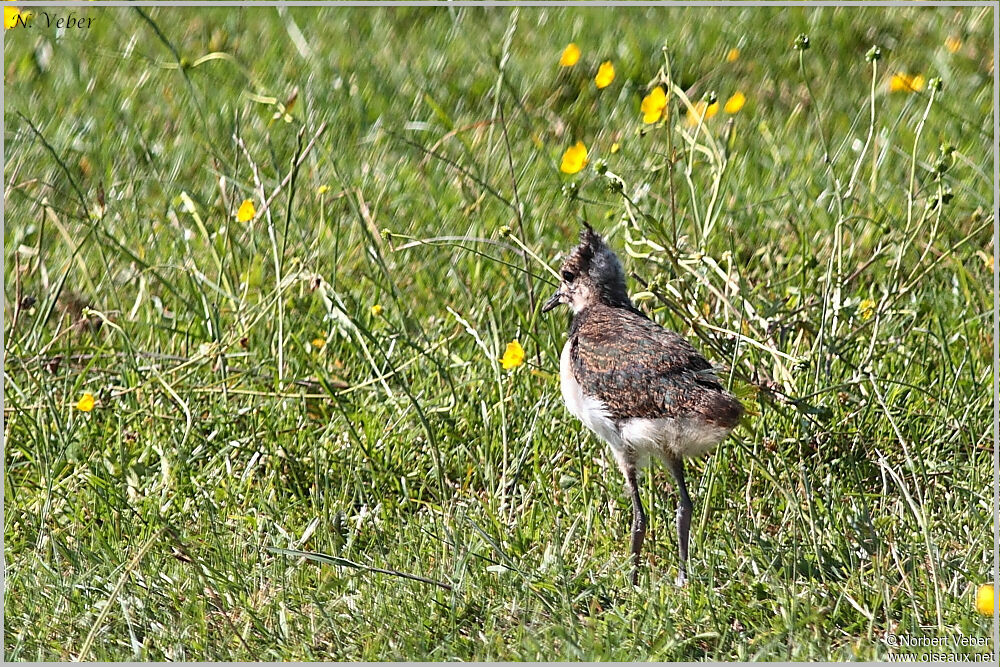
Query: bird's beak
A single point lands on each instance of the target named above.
(552, 302)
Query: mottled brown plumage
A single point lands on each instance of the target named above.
(639, 369)
(642, 388)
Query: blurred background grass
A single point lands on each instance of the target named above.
(248, 396)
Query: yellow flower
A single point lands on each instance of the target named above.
(984, 600)
(323, 189)
(736, 102)
(513, 356)
(246, 212)
(702, 110)
(318, 342)
(653, 105)
(86, 403)
(605, 74)
(953, 44)
(615, 147)
(574, 159)
(570, 55)
(733, 55)
(376, 310)
(905, 82)
(11, 15)
(866, 309)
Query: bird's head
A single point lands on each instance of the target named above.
(591, 274)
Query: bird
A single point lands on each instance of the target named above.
(643, 389)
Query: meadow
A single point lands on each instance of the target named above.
(262, 268)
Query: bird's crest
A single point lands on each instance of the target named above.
(594, 259)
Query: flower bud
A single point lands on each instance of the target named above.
(801, 42)
(874, 54)
(943, 197)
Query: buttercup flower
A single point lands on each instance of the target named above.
(953, 44)
(11, 15)
(702, 110)
(574, 159)
(513, 356)
(605, 74)
(570, 55)
(246, 211)
(984, 600)
(735, 103)
(906, 83)
(86, 403)
(733, 55)
(318, 342)
(376, 310)
(866, 309)
(653, 105)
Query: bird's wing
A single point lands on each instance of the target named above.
(639, 369)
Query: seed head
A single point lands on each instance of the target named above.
(657, 284)
(571, 190)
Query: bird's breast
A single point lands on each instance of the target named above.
(588, 409)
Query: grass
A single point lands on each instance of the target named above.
(268, 455)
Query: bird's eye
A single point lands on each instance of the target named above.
(568, 276)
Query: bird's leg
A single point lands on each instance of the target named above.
(684, 508)
(638, 518)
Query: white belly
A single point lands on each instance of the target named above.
(638, 438)
(687, 437)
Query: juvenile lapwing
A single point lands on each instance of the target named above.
(642, 388)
